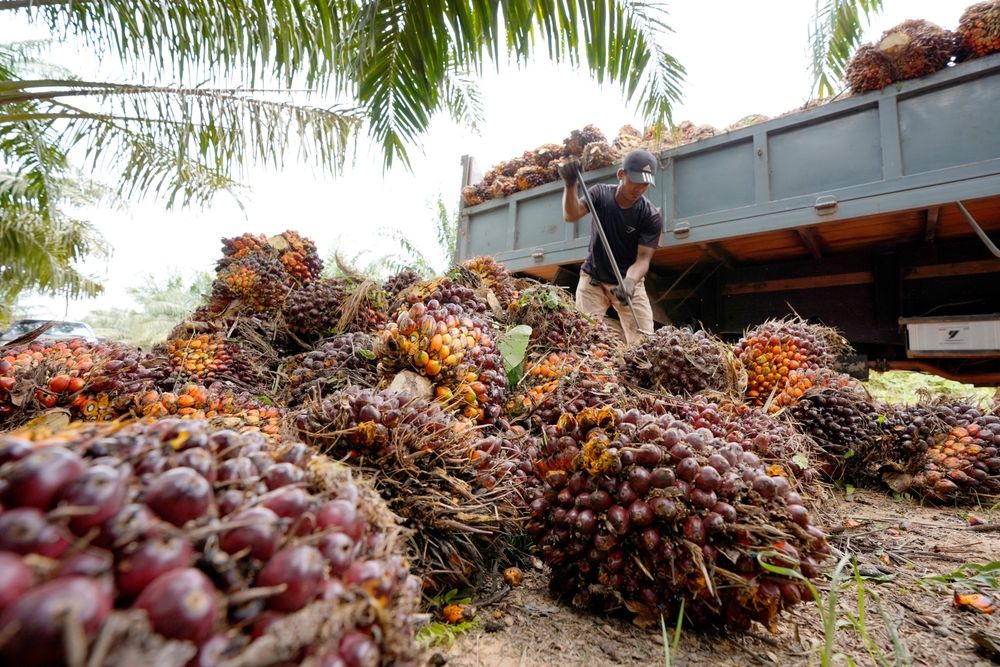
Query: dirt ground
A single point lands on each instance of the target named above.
(897, 543)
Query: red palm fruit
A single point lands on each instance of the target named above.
(301, 569)
(90, 563)
(179, 495)
(37, 479)
(181, 604)
(132, 523)
(15, 578)
(41, 615)
(151, 559)
(261, 537)
(358, 650)
(25, 530)
(102, 489)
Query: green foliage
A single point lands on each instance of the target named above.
(972, 577)
(834, 33)
(398, 63)
(161, 307)
(669, 650)
(906, 388)
(513, 344)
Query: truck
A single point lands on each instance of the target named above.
(877, 214)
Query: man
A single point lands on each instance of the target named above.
(633, 226)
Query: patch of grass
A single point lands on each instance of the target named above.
(667, 650)
(831, 619)
(971, 576)
(438, 633)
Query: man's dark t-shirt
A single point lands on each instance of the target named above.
(626, 229)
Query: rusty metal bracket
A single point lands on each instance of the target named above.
(983, 236)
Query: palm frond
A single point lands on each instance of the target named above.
(834, 33)
(179, 143)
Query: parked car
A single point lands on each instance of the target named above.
(61, 330)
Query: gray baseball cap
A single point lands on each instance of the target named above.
(640, 165)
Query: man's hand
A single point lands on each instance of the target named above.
(569, 171)
(625, 291)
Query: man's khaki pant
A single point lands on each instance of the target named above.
(594, 300)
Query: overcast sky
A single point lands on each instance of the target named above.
(742, 58)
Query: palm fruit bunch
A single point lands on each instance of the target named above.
(175, 543)
(917, 48)
(241, 246)
(869, 69)
(944, 451)
(314, 309)
(962, 463)
(473, 195)
(494, 276)
(556, 323)
(627, 139)
(784, 450)
(543, 155)
(257, 281)
(397, 284)
(684, 362)
(782, 358)
(453, 349)
(842, 421)
(206, 358)
(502, 186)
(339, 361)
(298, 255)
(578, 140)
(979, 28)
(422, 461)
(507, 457)
(531, 176)
(648, 512)
(365, 308)
(563, 382)
(222, 406)
(42, 375)
(598, 155)
(444, 290)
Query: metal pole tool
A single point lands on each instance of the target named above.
(607, 246)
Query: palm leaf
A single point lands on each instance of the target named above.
(834, 33)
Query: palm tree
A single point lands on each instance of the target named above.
(393, 65)
(162, 306)
(834, 33)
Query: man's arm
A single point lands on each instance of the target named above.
(574, 206)
(638, 270)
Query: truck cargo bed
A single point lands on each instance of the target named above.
(846, 210)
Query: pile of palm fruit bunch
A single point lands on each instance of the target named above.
(978, 29)
(488, 273)
(335, 363)
(916, 48)
(782, 359)
(646, 512)
(74, 375)
(683, 362)
(539, 166)
(173, 543)
(429, 467)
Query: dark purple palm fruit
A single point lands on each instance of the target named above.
(100, 492)
(25, 530)
(150, 559)
(181, 604)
